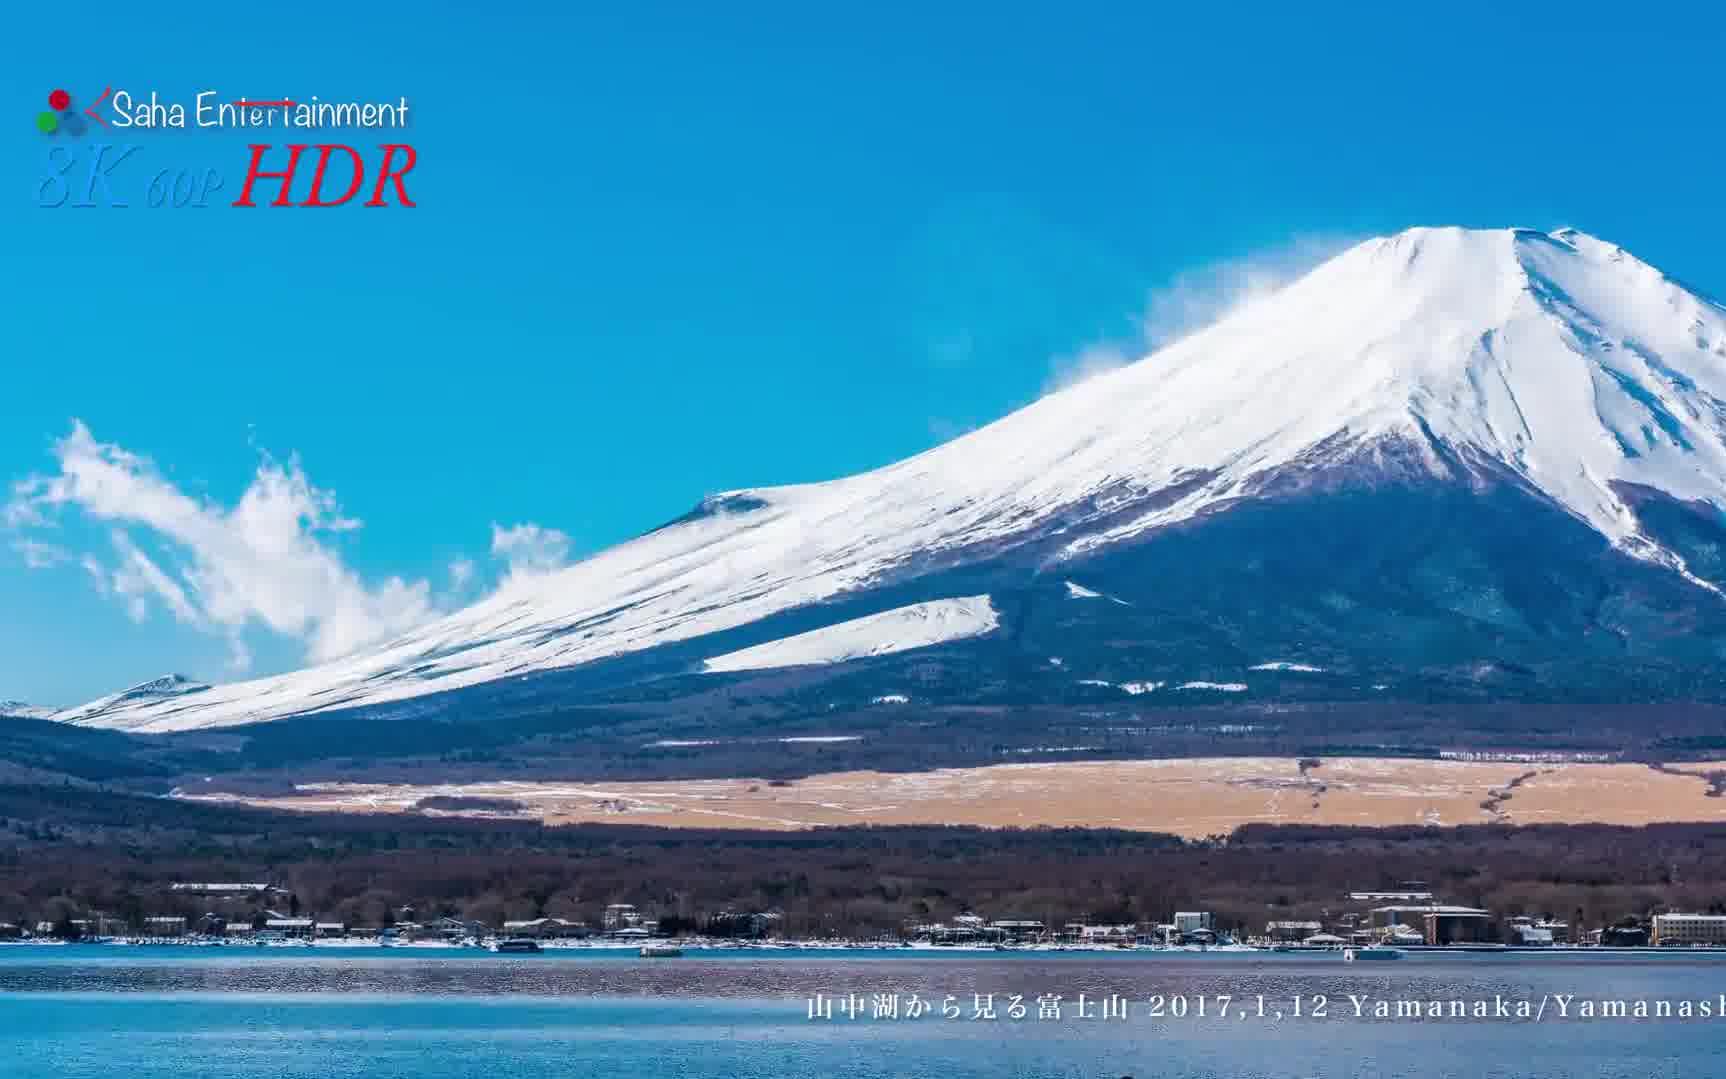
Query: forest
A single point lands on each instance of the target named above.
(67, 850)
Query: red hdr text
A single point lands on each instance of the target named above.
(398, 161)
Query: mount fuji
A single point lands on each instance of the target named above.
(1455, 464)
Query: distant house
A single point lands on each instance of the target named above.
(457, 928)
(1123, 933)
(1528, 933)
(8, 931)
(290, 927)
(166, 925)
(545, 928)
(1017, 928)
(620, 916)
(739, 924)
(1291, 932)
(1193, 927)
(327, 930)
(1625, 934)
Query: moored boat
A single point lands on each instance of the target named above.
(516, 946)
(1372, 952)
(660, 951)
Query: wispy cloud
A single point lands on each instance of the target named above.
(1196, 299)
(265, 561)
(1085, 364)
(461, 574)
(38, 555)
(528, 549)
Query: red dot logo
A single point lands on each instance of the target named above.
(60, 117)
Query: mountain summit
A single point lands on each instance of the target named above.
(1443, 451)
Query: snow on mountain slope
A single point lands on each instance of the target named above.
(916, 626)
(157, 690)
(20, 710)
(1558, 360)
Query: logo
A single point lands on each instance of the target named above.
(100, 173)
(62, 119)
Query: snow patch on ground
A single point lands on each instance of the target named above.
(1285, 665)
(917, 626)
(1219, 687)
(890, 698)
(1079, 591)
(1137, 688)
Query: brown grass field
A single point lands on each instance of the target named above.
(1190, 797)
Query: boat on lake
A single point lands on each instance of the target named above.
(660, 951)
(516, 946)
(1373, 952)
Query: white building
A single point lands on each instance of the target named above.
(1682, 930)
(621, 916)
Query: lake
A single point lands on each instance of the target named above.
(231, 1013)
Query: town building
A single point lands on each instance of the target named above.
(1437, 923)
(1123, 933)
(963, 930)
(1526, 932)
(620, 916)
(167, 925)
(1017, 929)
(1688, 930)
(545, 928)
(740, 924)
(1291, 932)
(289, 927)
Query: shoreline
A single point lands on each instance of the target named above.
(631, 949)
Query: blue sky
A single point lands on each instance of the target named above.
(685, 249)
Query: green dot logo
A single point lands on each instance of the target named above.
(47, 123)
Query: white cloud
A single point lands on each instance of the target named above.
(1086, 363)
(461, 574)
(39, 555)
(1194, 300)
(528, 549)
(266, 561)
(1197, 298)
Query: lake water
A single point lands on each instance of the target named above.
(148, 1013)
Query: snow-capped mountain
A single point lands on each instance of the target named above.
(1459, 443)
(144, 694)
(20, 710)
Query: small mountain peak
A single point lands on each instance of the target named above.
(167, 685)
